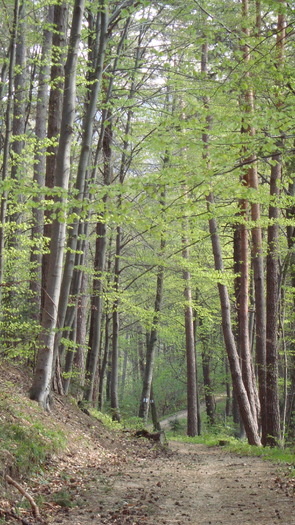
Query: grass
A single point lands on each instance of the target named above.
(26, 441)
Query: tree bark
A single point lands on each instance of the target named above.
(115, 340)
(39, 168)
(243, 304)
(208, 390)
(192, 406)
(18, 120)
(272, 300)
(7, 137)
(99, 265)
(272, 266)
(41, 386)
(249, 422)
(104, 362)
(151, 345)
(82, 168)
(59, 40)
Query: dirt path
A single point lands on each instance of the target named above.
(165, 423)
(191, 484)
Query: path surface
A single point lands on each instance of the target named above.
(165, 423)
(191, 484)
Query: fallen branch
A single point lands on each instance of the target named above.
(35, 509)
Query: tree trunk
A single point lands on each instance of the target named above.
(104, 362)
(59, 40)
(249, 422)
(155, 419)
(115, 346)
(99, 264)
(39, 169)
(7, 137)
(83, 165)
(79, 358)
(272, 300)
(272, 276)
(208, 390)
(243, 304)
(124, 374)
(18, 121)
(151, 344)
(290, 415)
(41, 386)
(192, 406)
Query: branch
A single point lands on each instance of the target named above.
(35, 509)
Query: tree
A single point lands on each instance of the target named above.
(40, 389)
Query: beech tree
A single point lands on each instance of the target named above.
(41, 386)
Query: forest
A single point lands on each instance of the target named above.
(147, 219)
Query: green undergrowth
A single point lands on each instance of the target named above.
(106, 420)
(27, 437)
(130, 423)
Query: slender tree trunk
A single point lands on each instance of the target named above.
(18, 121)
(72, 318)
(82, 168)
(70, 356)
(272, 300)
(228, 389)
(249, 422)
(243, 315)
(195, 324)
(124, 373)
(192, 407)
(155, 419)
(59, 40)
(99, 265)
(79, 358)
(7, 137)
(115, 341)
(243, 304)
(104, 361)
(290, 415)
(39, 168)
(151, 343)
(208, 390)
(41, 386)
(237, 289)
(272, 266)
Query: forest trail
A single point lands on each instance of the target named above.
(106, 477)
(182, 414)
(138, 484)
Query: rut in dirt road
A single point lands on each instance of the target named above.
(193, 485)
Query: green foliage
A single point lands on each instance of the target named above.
(106, 420)
(175, 426)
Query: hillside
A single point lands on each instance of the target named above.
(87, 474)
